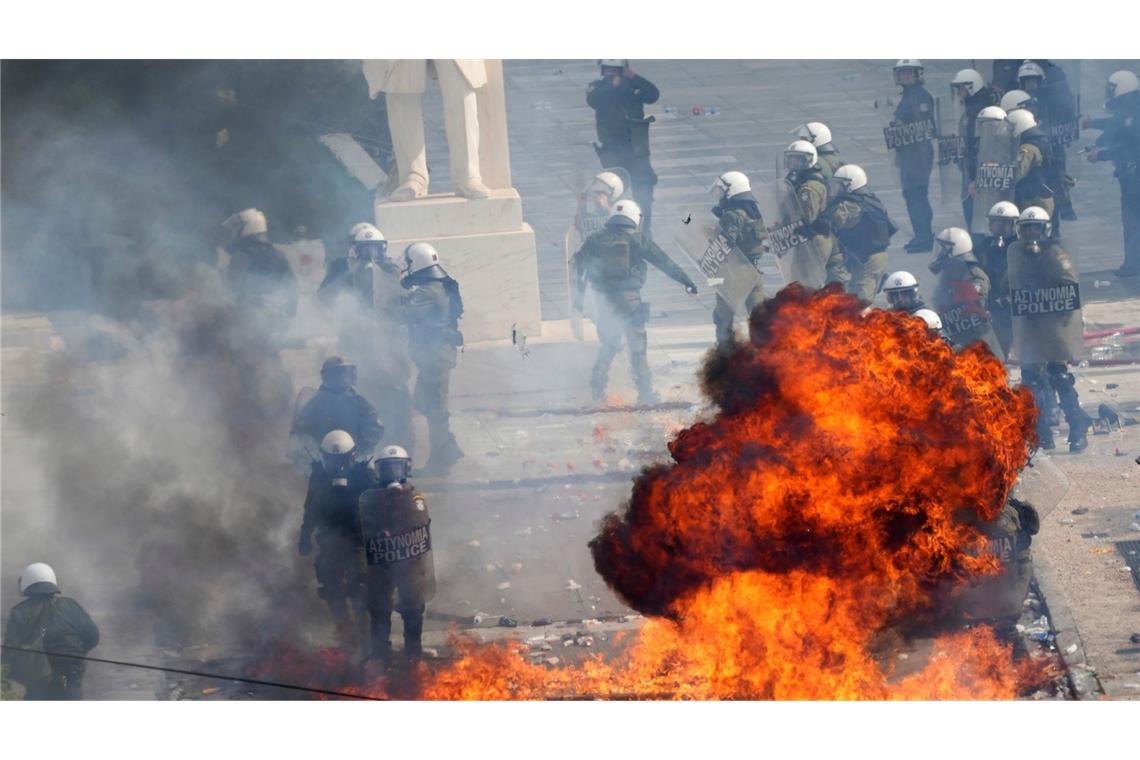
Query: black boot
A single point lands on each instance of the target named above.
(919, 245)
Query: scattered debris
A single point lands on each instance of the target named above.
(430, 652)
(562, 516)
(524, 531)
(504, 586)
(1135, 638)
(1071, 648)
(552, 661)
(1112, 386)
(1095, 534)
(572, 586)
(473, 542)
(1081, 511)
(507, 622)
(211, 690)
(542, 622)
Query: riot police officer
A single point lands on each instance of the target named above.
(47, 622)
(431, 308)
(619, 100)
(397, 548)
(258, 275)
(615, 262)
(810, 191)
(962, 292)
(1120, 143)
(740, 223)
(974, 95)
(901, 289)
(915, 161)
(597, 199)
(335, 485)
(1036, 172)
(991, 252)
(1047, 325)
(859, 221)
(336, 406)
(819, 135)
(362, 293)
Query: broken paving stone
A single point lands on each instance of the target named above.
(212, 690)
(429, 652)
(572, 586)
(507, 622)
(1135, 638)
(1068, 521)
(1071, 648)
(1081, 511)
(542, 622)
(1095, 534)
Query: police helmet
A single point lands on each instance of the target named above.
(931, 318)
(1033, 225)
(393, 465)
(730, 184)
(338, 373)
(613, 63)
(420, 256)
(1121, 83)
(953, 241)
(608, 183)
(850, 177)
(37, 578)
(969, 80)
(1015, 99)
(246, 223)
(800, 155)
(815, 132)
(338, 450)
(1028, 72)
(625, 213)
(990, 114)
(909, 64)
(1020, 121)
(1002, 215)
(901, 289)
(368, 243)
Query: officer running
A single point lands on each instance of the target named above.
(615, 262)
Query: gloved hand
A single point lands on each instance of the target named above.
(691, 289)
(305, 545)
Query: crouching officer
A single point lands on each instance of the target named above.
(1047, 325)
(859, 220)
(962, 291)
(615, 263)
(996, 600)
(991, 252)
(335, 486)
(397, 547)
(431, 309)
(742, 226)
(47, 622)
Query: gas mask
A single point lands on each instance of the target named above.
(942, 255)
(1001, 229)
(392, 471)
(1031, 234)
(337, 467)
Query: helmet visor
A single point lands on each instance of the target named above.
(1001, 227)
(372, 250)
(336, 464)
(1031, 232)
(339, 378)
(796, 162)
(392, 470)
(903, 298)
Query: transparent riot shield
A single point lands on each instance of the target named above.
(797, 253)
(726, 270)
(997, 166)
(1041, 484)
(951, 149)
(591, 214)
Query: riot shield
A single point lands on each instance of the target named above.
(997, 166)
(726, 270)
(951, 149)
(797, 253)
(302, 450)
(589, 218)
(396, 530)
(1041, 484)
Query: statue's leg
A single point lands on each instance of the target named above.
(461, 122)
(406, 122)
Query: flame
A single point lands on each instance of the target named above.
(832, 497)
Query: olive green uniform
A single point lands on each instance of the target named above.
(67, 629)
(747, 236)
(615, 263)
(862, 277)
(960, 298)
(811, 195)
(828, 162)
(1029, 158)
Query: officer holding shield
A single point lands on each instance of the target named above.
(962, 292)
(915, 160)
(619, 100)
(974, 94)
(992, 254)
(1047, 323)
(742, 227)
(396, 531)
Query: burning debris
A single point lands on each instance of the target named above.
(828, 505)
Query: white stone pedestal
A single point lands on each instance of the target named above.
(485, 245)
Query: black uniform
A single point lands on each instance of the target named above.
(261, 280)
(623, 133)
(991, 253)
(67, 629)
(346, 410)
(1055, 106)
(1005, 73)
(915, 163)
(1120, 144)
(372, 334)
(987, 96)
(331, 510)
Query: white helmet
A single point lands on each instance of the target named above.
(1031, 218)
(899, 281)
(617, 63)
(1021, 121)
(851, 177)
(625, 213)
(1121, 83)
(246, 223)
(366, 233)
(337, 453)
(1015, 99)
(802, 150)
(969, 79)
(730, 184)
(37, 578)
(815, 132)
(357, 228)
(954, 241)
(368, 244)
(420, 256)
(931, 318)
(1003, 210)
(609, 183)
(1030, 69)
(393, 465)
(991, 114)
